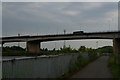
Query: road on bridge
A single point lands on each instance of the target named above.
(96, 69)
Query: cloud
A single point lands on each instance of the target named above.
(46, 18)
(0, 19)
(71, 13)
(32, 18)
(61, 1)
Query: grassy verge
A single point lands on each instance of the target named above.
(114, 67)
(80, 63)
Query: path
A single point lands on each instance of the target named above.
(96, 69)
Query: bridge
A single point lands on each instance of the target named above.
(33, 42)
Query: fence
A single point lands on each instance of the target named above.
(51, 66)
(38, 67)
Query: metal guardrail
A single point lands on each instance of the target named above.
(34, 57)
(45, 66)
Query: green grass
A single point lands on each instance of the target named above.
(80, 63)
(13, 53)
(114, 67)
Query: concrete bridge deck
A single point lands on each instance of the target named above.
(42, 38)
(33, 42)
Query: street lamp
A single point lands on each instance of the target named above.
(18, 42)
(64, 40)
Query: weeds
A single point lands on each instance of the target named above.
(114, 66)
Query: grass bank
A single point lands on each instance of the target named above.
(80, 63)
(114, 66)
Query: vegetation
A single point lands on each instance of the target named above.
(79, 64)
(12, 51)
(18, 51)
(105, 49)
(114, 66)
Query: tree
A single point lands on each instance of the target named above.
(53, 49)
(46, 49)
(105, 49)
(82, 49)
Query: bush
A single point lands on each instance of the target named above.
(78, 65)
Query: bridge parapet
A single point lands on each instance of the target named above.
(33, 42)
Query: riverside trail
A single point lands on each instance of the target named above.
(97, 69)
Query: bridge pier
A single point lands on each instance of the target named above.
(33, 46)
(116, 45)
(116, 49)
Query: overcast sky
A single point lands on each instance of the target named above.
(38, 18)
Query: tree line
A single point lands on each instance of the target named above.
(16, 50)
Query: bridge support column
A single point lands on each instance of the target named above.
(116, 45)
(33, 46)
(116, 49)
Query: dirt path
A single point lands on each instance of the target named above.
(96, 69)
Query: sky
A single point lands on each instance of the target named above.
(44, 18)
(0, 19)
